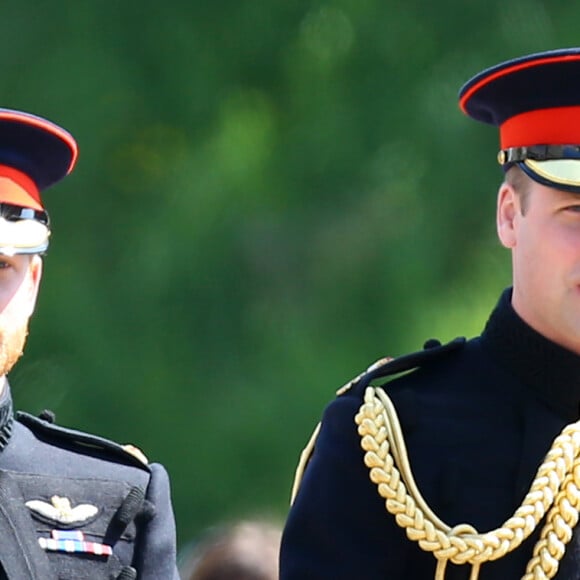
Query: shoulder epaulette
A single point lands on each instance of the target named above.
(387, 366)
(86, 443)
(432, 350)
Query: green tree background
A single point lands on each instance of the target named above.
(269, 197)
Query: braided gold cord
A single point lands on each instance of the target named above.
(557, 532)
(556, 488)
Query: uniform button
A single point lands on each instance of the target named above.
(47, 415)
(431, 343)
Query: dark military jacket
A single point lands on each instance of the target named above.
(74, 506)
(478, 417)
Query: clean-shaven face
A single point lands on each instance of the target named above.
(545, 244)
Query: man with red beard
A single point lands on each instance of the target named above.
(72, 505)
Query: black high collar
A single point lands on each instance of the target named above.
(552, 371)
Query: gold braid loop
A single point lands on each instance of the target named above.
(556, 488)
(557, 531)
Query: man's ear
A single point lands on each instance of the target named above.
(508, 208)
(34, 277)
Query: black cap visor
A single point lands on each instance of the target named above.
(551, 165)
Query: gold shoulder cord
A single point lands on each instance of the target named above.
(303, 462)
(309, 449)
(555, 491)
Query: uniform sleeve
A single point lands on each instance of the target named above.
(156, 551)
(338, 527)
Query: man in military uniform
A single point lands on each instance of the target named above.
(465, 463)
(73, 506)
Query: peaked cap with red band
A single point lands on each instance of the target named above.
(535, 102)
(34, 154)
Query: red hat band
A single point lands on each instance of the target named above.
(18, 189)
(560, 125)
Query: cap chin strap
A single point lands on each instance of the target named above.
(538, 153)
(555, 491)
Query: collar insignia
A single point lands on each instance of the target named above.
(59, 510)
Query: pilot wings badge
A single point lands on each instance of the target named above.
(60, 511)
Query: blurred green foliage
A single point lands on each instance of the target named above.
(269, 196)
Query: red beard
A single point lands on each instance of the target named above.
(11, 347)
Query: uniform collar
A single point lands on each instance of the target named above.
(6, 413)
(552, 371)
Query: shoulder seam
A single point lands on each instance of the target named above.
(80, 439)
(392, 366)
